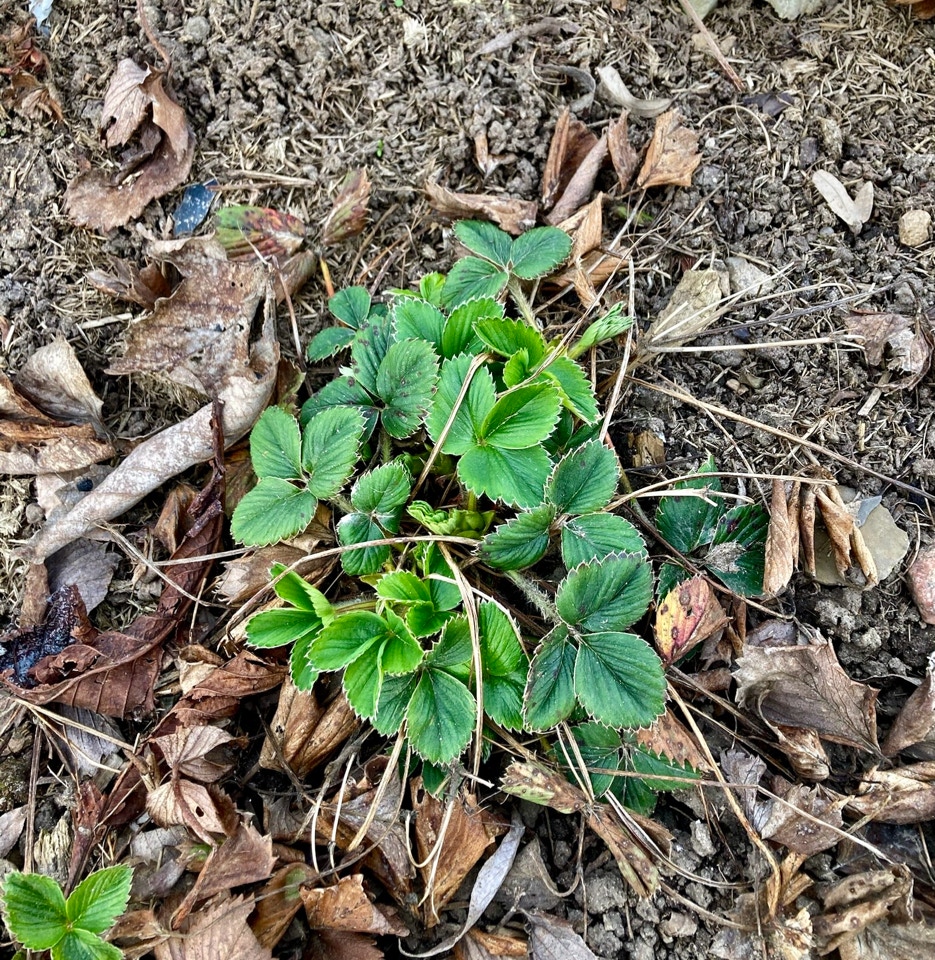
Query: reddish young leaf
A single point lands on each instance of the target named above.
(253, 233)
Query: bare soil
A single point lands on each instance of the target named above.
(285, 98)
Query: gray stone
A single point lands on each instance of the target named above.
(744, 276)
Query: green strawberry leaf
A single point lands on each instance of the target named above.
(600, 748)
(485, 240)
(351, 306)
(401, 653)
(328, 342)
(275, 445)
(506, 337)
(299, 592)
(430, 288)
(459, 336)
(382, 492)
(440, 718)
(451, 523)
(418, 320)
(574, 388)
(454, 651)
(470, 279)
(521, 418)
(516, 477)
(501, 651)
(303, 673)
(346, 638)
(395, 695)
(369, 348)
(611, 325)
(595, 535)
(34, 909)
(273, 510)
(670, 576)
(550, 692)
(689, 522)
(99, 899)
(405, 383)
(359, 528)
(584, 480)
(276, 628)
(477, 403)
(342, 392)
(521, 541)
(656, 769)
(81, 944)
(606, 595)
(363, 681)
(330, 449)
(503, 699)
(403, 587)
(619, 679)
(538, 252)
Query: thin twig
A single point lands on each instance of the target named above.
(712, 43)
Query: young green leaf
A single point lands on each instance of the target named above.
(451, 523)
(516, 477)
(359, 528)
(521, 418)
(303, 673)
(403, 587)
(401, 652)
(430, 288)
(405, 383)
(369, 348)
(275, 445)
(619, 679)
(538, 252)
(505, 667)
(330, 448)
(606, 595)
(506, 337)
(81, 944)
(351, 306)
(584, 480)
(611, 325)
(342, 392)
(574, 388)
(382, 492)
(550, 691)
(595, 535)
(346, 638)
(99, 899)
(472, 278)
(440, 718)
(459, 336)
(454, 651)
(276, 628)
(299, 592)
(477, 403)
(521, 541)
(395, 695)
(328, 342)
(362, 682)
(273, 510)
(485, 240)
(418, 320)
(34, 909)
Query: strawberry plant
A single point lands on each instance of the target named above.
(469, 442)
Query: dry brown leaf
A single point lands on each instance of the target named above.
(668, 737)
(125, 102)
(923, 9)
(595, 269)
(624, 158)
(478, 945)
(672, 155)
(54, 380)
(909, 346)
(783, 821)
(218, 930)
(186, 752)
(337, 945)
(292, 276)
(349, 211)
(687, 616)
(782, 540)
(914, 727)
(345, 906)
(528, 885)
(278, 901)
(514, 216)
(571, 142)
(804, 749)
(245, 576)
(906, 795)
(804, 686)
(85, 564)
(127, 282)
(205, 811)
(579, 188)
(486, 161)
(585, 228)
(553, 939)
(25, 63)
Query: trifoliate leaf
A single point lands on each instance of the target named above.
(538, 252)
(276, 628)
(342, 392)
(34, 909)
(516, 477)
(485, 240)
(595, 535)
(459, 336)
(275, 445)
(521, 418)
(611, 325)
(346, 638)
(100, 898)
(326, 343)
(574, 388)
(441, 717)
(619, 679)
(273, 510)
(351, 306)
(368, 349)
(477, 403)
(506, 337)
(584, 480)
(605, 595)
(359, 528)
(418, 320)
(330, 448)
(688, 522)
(521, 541)
(471, 278)
(382, 492)
(550, 689)
(405, 383)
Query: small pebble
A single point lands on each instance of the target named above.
(195, 30)
(915, 228)
(921, 577)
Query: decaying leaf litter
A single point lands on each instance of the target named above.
(720, 210)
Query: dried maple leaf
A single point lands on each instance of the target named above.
(672, 155)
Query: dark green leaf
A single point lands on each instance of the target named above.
(273, 510)
(34, 909)
(424, 620)
(670, 576)
(81, 944)
(275, 445)
(517, 369)
(359, 528)
(368, 349)
(619, 679)
(516, 477)
(346, 638)
(596, 535)
(330, 449)
(454, 651)
(434, 778)
(440, 717)
(459, 336)
(363, 680)
(600, 748)
(584, 480)
(574, 388)
(521, 418)
(506, 337)
(607, 594)
(276, 628)
(478, 402)
(538, 252)
(501, 651)
(401, 652)
(521, 541)
(503, 699)
(470, 279)
(550, 690)
(351, 306)
(303, 673)
(326, 343)
(738, 552)
(656, 769)
(394, 701)
(405, 382)
(382, 492)
(485, 240)
(403, 587)
(445, 594)
(611, 325)
(418, 320)
(342, 392)
(688, 522)
(100, 898)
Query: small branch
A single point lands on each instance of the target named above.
(712, 43)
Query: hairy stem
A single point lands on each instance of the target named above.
(537, 597)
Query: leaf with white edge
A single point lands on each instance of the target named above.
(472, 278)
(342, 393)
(658, 769)
(273, 510)
(330, 449)
(81, 944)
(459, 336)
(538, 252)
(351, 306)
(614, 323)
(575, 389)
(485, 240)
(34, 909)
(303, 673)
(596, 535)
(100, 898)
(403, 587)
(393, 703)
(584, 480)
(382, 492)
(418, 320)
(550, 691)
(606, 595)
(276, 628)
(600, 748)
(516, 477)
(503, 699)
(359, 528)
(477, 403)
(425, 620)
(369, 348)
(517, 369)
(521, 541)
(441, 716)
(346, 638)
(506, 337)
(619, 679)
(501, 651)
(401, 652)
(328, 342)
(299, 592)
(362, 682)
(275, 446)
(521, 418)
(687, 522)
(405, 383)
(455, 650)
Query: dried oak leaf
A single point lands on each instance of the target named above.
(672, 155)
(219, 929)
(514, 216)
(345, 906)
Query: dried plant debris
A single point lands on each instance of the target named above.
(913, 730)
(903, 345)
(127, 282)
(571, 143)
(672, 155)
(622, 153)
(136, 104)
(258, 233)
(514, 216)
(580, 183)
(854, 211)
(31, 91)
(618, 93)
(350, 209)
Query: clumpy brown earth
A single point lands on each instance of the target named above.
(285, 98)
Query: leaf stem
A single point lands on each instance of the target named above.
(537, 597)
(525, 308)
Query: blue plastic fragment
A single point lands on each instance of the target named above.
(41, 9)
(196, 202)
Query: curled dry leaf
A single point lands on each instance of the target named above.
(129, 283)
(514, 216)
(349, 212)
(908, 344)
(672, 155)
(782, 539)
(571, 142)
(579, 187)
(687, 616)
(218, 929)
(585, 228)
(913, 729)
(186, 752)
(346, 907)
(618, 93)
(854, 212)
(204, 810)
(624, 158)
(54, 380)
(486, 161)
(805, 686)
(691, 309)
(906, 795)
